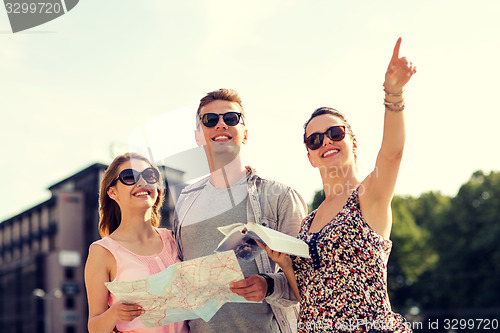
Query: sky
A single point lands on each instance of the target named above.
(112, 76)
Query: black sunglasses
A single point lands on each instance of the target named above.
(130, 176)
(230, 118)
(334, 133)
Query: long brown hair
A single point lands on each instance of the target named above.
(109, 211)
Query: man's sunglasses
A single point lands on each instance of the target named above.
(230, 118)
(334, 133)
(130, 176)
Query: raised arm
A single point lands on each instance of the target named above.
(379, 186)
(398, 74)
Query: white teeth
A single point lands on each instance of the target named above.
(330, 152)
(141, 193)
(221, 137)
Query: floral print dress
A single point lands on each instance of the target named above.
(343, 285)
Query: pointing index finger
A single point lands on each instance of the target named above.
(395, 54)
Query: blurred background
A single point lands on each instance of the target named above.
(114, 76)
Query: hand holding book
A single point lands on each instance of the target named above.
(242, 239)
(285, 263)
(282, 259)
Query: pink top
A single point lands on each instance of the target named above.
(130, 266)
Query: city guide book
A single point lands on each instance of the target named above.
(242, 239)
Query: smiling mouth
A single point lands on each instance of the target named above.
(221, 138)
(330, 152)
(140, 194)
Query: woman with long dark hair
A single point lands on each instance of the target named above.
(132, 247)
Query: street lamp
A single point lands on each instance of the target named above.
(47, 297)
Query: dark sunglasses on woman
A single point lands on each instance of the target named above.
(334, 133)
(130, 176)
(211, 119)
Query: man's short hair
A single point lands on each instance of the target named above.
(221, 94)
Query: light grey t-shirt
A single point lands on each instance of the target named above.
(200, 237)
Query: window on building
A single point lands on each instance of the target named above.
(52, 242)
(69, 303)
(69, 273)
(70, 329)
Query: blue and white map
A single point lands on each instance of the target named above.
(186, 290)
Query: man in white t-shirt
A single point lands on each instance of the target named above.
(235, 193)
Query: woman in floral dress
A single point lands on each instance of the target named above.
(343, 286)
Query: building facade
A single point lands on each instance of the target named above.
(43, 252)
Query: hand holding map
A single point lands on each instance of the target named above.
(186, 290)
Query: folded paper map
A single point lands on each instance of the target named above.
(186, 290)
(241, 238)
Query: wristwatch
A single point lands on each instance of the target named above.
(270, 284)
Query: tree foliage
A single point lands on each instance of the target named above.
(411, 254)
(468, 272)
